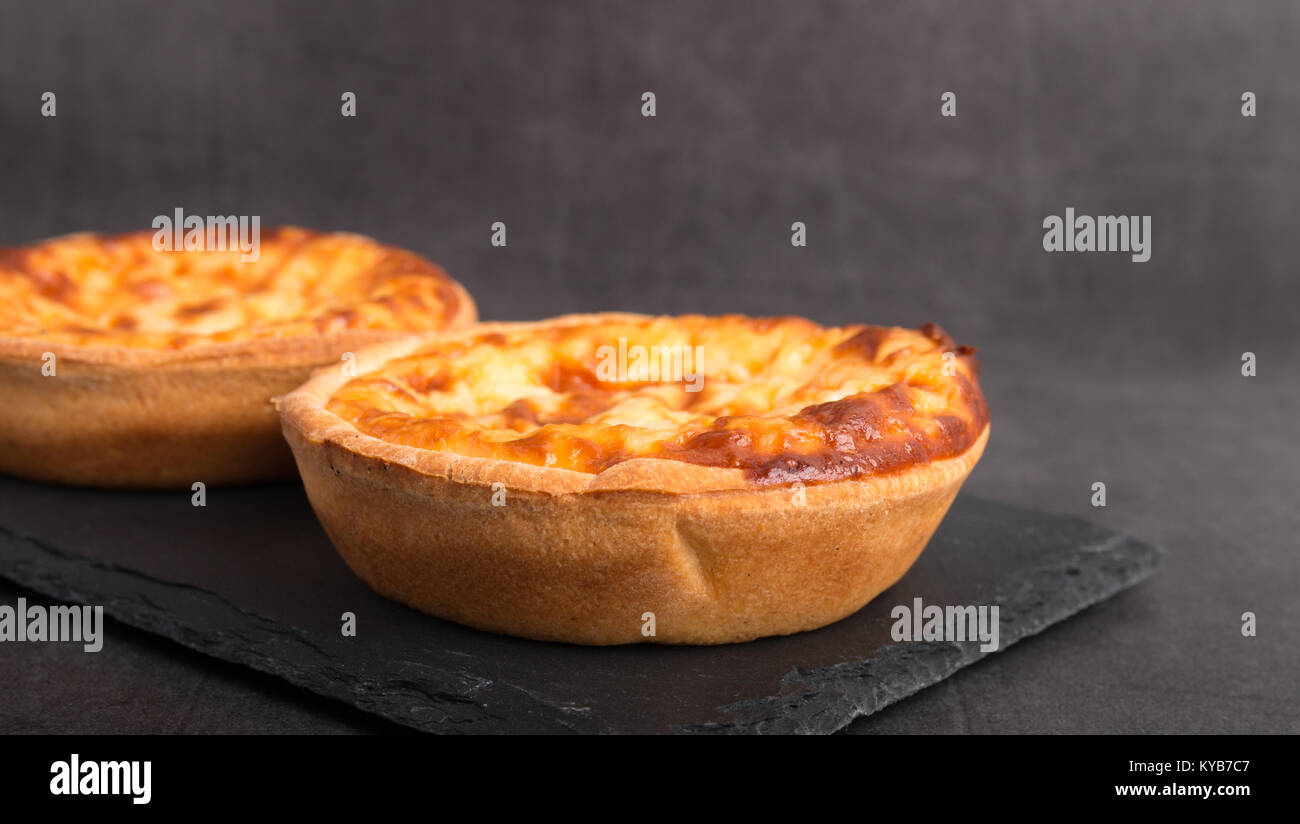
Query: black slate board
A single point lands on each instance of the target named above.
(251, 578)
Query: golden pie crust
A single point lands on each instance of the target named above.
(164, 363)
(511, 478)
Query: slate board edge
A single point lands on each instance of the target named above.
(851, 690)
(421, 697)
(432, 700)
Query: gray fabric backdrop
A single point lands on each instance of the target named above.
(1097, 368)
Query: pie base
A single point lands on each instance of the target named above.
(713, 567)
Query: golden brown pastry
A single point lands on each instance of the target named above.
(613, 478)
(121, 365)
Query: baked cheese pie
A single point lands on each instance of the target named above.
(122, 365)
(613, 478)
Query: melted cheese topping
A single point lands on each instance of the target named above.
(119, 291)
(782, 398)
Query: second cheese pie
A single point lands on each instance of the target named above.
(121, 365)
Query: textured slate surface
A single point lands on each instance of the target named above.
(251, 578)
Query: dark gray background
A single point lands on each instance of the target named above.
(1096, 368)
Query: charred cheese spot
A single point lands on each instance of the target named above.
(118, 291)
(781, 398)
